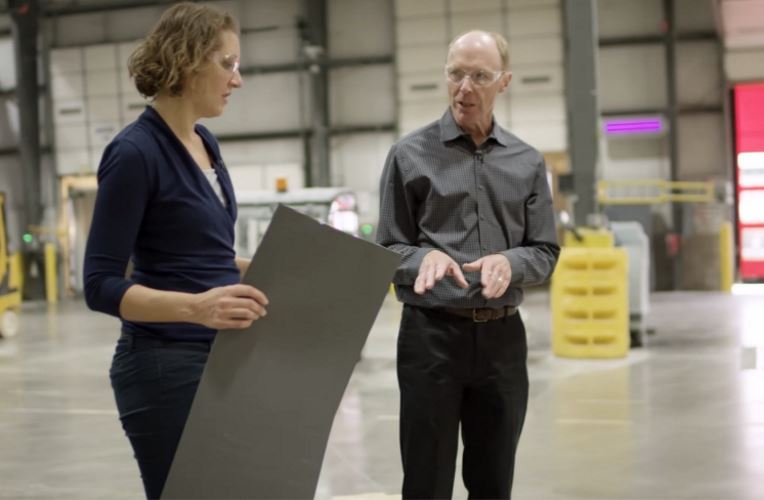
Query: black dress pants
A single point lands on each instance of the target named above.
(452, 370)
(154, 384)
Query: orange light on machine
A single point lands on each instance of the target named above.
(282, 185)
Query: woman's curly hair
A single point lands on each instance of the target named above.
(177, 47)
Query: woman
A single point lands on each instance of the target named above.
(165, 200)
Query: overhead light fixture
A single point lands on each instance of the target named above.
(630, 126)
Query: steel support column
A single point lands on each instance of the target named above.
(25, 27)
(315, 50)
(581, 97)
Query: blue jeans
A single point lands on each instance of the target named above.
(154, 384)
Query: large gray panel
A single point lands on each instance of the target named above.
(264, 408)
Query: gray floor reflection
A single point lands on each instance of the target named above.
(682, 418)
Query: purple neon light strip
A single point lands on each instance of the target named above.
(636, 126)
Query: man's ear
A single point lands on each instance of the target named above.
(505, 79)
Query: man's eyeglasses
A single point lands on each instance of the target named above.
(479, 77)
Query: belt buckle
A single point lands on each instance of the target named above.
(480, 315)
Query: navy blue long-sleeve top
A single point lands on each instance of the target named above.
(155, 205)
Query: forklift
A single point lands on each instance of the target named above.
(10, 281)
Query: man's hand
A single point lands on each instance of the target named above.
(495, 274)
(434, 267)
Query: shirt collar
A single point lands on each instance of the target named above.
(450, 130)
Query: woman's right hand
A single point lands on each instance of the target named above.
(233, 306)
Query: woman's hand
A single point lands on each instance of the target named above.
(233, 306)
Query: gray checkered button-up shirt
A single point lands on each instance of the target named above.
(439, 191)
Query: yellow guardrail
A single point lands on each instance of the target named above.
(653, 191)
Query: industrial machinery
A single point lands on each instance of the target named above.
(334, 206)
(10, 292)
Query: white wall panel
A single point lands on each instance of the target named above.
(545, 136)
(270, 47)
(266, 152)
(632, 77)
(409, 8)
(66, 61)
(126, 85)
(8, 123)
(413, 115)
(100, 57)
(96, 154)
(247, 178)
(263, 177)
(359, 28)
(537, 21)
(130, 107)
(69, 111)
(67, 86)
(263, 13)
(536, 50)
(8, 68)
(701, 146)
(292, 172)
(71, 136)
(515, 4)
(698, 73)
(529, 108)
(102, 109)
(362, 95)
(536, 78)
(101, 133)
(268, 102)
(73, 162)
(422, 58)
(422, 31)
(635, 157)
(744, 64)
(357, 162)
(416, 86)
(102, 82)
(469, 6)
(501, 110)
(629, 17)
(487, 21)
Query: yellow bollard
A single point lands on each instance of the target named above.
(51, 274)
(16, 278)
(725, 257)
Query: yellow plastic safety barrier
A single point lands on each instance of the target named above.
(590, 303)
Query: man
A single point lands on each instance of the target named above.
(463, 198)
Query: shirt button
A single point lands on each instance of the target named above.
(480, 188)
(482, 217)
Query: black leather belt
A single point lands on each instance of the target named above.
(481, 315)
